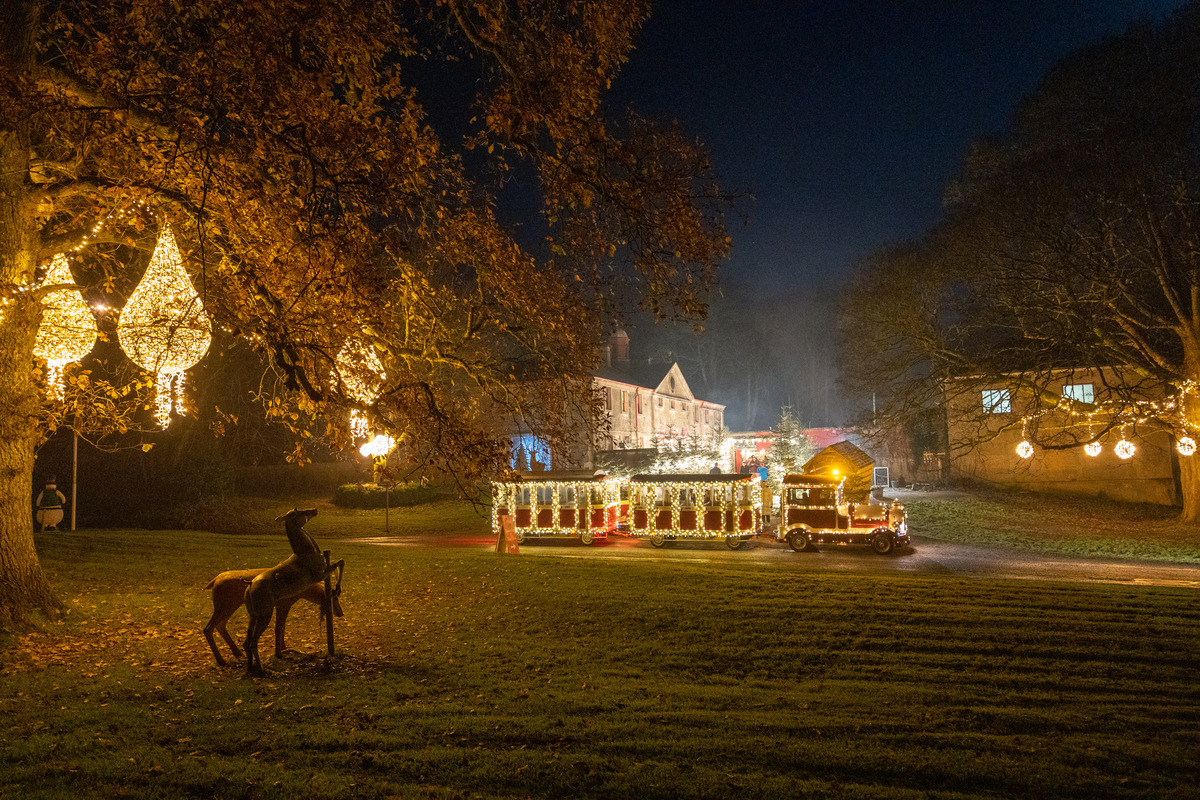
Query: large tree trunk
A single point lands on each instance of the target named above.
(1189, 466)
(23, 587)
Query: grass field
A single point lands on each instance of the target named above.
(1055, 524)
(466, 674)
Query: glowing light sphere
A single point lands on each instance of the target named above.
(164, 328)
(1025, 449)
(1186, 446)
(362, 377)
(1125, 449)
(68, 330)
(1092, 448)
(378, 447)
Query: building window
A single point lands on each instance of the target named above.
(528, 450)
(672, 405)
(608, 400)
(996, 401)
(660, 402)
(1081, 392)
(624, 402)
(637, 400)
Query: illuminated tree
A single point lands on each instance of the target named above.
(791, 449)
(292, 147)
(1073, 243)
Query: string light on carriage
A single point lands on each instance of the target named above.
(362, 377)
(163, 327)
(68, 330)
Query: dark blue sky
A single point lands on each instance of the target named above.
(845, 120)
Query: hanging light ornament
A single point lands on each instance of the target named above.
(1124, 448)
(362, 377)
(1092, 448)
(68, 330)
(1186, 446)
(163, 327)
(1024, 449)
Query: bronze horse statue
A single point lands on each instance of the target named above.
(290, 578)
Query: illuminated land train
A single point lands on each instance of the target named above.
(659, 508)
(558, 504)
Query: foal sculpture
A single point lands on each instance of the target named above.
(228, 595)
(288, 579)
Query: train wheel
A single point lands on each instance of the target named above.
(734, 542)
(658, 539)
(798, 540)
(587, 537)
(882, 543)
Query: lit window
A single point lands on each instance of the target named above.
(1080, 392)
(996, 401)
(624, 402)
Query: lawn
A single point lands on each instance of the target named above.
(462, 673)
(1055, 524)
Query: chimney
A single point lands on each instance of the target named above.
(618, 349)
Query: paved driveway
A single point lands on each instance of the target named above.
(926, 555)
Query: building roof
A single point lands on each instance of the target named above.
(857, 458)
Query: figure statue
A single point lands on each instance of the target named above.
(285, 580)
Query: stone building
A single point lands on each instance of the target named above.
(646, 405)
(988, 422)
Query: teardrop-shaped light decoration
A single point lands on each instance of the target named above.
(163, 327)
(68, 330)
(362, 377)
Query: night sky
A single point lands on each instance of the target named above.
(845, 120)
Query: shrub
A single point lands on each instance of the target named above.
(371, 495)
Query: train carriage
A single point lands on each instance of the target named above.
(664, 508)
(558, 504)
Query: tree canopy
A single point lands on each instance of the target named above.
(297, 150)
(1071, 243)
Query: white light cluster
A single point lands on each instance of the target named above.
(163, 327)
(1024, 449)
(362, 377)
(68, 330)
(1186, 446)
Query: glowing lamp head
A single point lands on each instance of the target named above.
(1186, 446)
(1025, 449)
(1125, 449)
(1092, 448)
(378, 447)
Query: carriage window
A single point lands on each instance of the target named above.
(687, 497)
(712, 497)
(661, 498)
(624, 493)
(545, 495)
(522, 496)
(566, 495)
